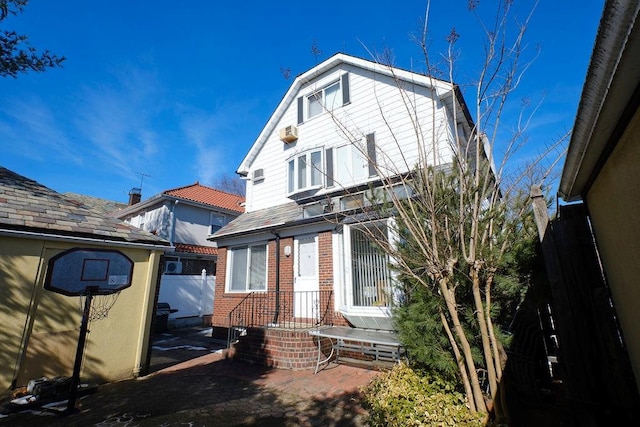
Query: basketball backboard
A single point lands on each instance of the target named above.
(80, 271)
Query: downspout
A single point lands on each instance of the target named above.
(277, 311)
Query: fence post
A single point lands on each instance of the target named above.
(203, 289)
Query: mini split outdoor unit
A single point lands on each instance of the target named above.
(173, 267)
(288, 134)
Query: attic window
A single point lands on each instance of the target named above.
(328, 98)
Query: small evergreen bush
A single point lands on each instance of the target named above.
(404, 397)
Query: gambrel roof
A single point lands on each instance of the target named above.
(446, 91)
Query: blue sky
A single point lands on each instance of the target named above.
(178, 91)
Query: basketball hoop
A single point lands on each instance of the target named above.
(88, 273)
(100, 305)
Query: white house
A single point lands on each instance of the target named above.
(341, 130)
(185, 216)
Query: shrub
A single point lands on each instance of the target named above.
(405, 397)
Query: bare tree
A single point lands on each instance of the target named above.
(16, 55)
(231, 184)
(458, 219)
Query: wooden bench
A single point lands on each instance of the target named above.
(382, 345)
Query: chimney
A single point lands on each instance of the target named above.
(135, 194)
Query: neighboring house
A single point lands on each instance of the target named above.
(313, 167)
(603, 162)
(39, 332)
(186, 216)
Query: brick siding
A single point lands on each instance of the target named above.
(279, 348)
(226, 302)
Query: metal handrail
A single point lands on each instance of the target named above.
(280, 309)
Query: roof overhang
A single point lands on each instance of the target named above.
(609, 96)
(48, 236)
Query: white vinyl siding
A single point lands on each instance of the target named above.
(397, 151)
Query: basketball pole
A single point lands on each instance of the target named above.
(75, 380)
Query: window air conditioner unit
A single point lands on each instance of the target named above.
(288, 134)
(258, 175)
(173, 267)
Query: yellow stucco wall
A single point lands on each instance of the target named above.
(48, 323)
(614, 205)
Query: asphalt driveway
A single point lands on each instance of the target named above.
(180, 345)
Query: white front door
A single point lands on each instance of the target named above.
(306, 285)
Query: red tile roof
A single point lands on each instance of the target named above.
(195, 249)
(210, 196)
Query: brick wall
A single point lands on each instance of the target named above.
(225, 302)
(279, 348)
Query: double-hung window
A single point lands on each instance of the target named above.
(248, 268)
(305, 171)
(355, 162)
(216, 221)
(351, 165)
(327, 98)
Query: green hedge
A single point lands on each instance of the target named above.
(403, 397)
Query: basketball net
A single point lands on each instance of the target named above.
(100, 305)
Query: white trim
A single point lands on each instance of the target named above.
(103, 242)
(296, 246)
(347, 304)
(229, 265)
(338, 274)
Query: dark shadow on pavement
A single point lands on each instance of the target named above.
(211, 390)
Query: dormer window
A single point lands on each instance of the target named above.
(305, 171)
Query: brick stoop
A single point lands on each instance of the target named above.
(278, 348)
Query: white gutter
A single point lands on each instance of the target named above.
(72, 239)
(604, 84)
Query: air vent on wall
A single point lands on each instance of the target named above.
(288, 134)
(258, 175)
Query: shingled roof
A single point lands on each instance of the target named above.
(207, 195)
(27, 206)
(261, 219)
